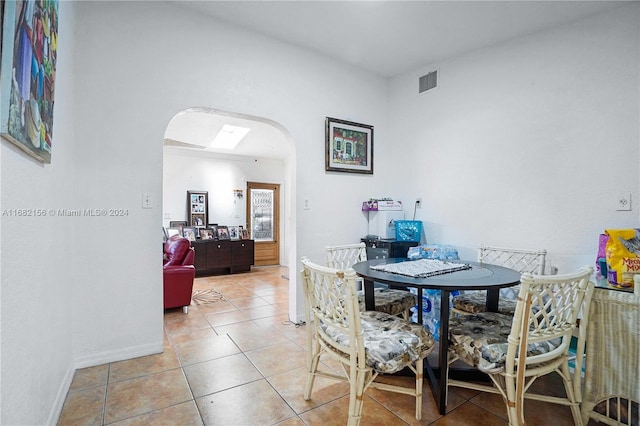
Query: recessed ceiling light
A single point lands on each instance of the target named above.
(229, 136)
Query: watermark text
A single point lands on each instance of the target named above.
(64, 212)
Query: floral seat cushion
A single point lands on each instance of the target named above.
(391, 343)
(476, 302)
(480, 340)
(392, 302)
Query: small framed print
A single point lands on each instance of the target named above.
(197, 208)
(348, 146)
(223, 233)
(206, 234)
(190, 233)
(244, 234)
(173, 231)
(234, 233)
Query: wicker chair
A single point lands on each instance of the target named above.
(542, 326)
(337, 328)
(390, 301)
(532, 261)
(612, 388)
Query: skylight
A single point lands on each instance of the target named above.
(229, 136)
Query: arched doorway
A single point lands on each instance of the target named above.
(266, 144)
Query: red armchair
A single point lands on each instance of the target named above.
(178, 273)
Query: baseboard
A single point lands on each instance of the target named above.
(301, 319)
(91, 361)
(118, 355)
(61, 396)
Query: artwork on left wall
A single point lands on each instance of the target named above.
(27, 75)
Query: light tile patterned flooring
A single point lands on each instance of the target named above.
(240, 361)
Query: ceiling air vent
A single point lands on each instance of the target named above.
(428, 81)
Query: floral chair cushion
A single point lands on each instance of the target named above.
(392, 302)
(391, 343)
(476, 302)
(480, 340)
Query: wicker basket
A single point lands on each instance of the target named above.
(612, 387)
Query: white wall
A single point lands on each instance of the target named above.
(94, 285)
(240, 72)
(527, 143)
(39, 261)
(187, 171)
(219, 176)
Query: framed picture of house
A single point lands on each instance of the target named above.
(28, 73)
(348, 146)
(197, 208)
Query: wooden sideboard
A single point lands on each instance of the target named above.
(214, 257)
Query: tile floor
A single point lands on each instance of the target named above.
(240, 361)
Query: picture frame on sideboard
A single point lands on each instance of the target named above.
(197, 208)
(173, 231)
(190, 233)
(223, 233)
(234, 232)
(206, 234)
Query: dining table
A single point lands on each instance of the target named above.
(475, 276)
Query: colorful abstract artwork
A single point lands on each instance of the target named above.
(27, 75)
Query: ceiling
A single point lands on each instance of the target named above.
(393, 37)
(195, 128)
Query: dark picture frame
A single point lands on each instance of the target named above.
(223, 233)
(348, 146)
(197, 208)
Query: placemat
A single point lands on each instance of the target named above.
(422, 268)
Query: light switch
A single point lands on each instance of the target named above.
(146, 200)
